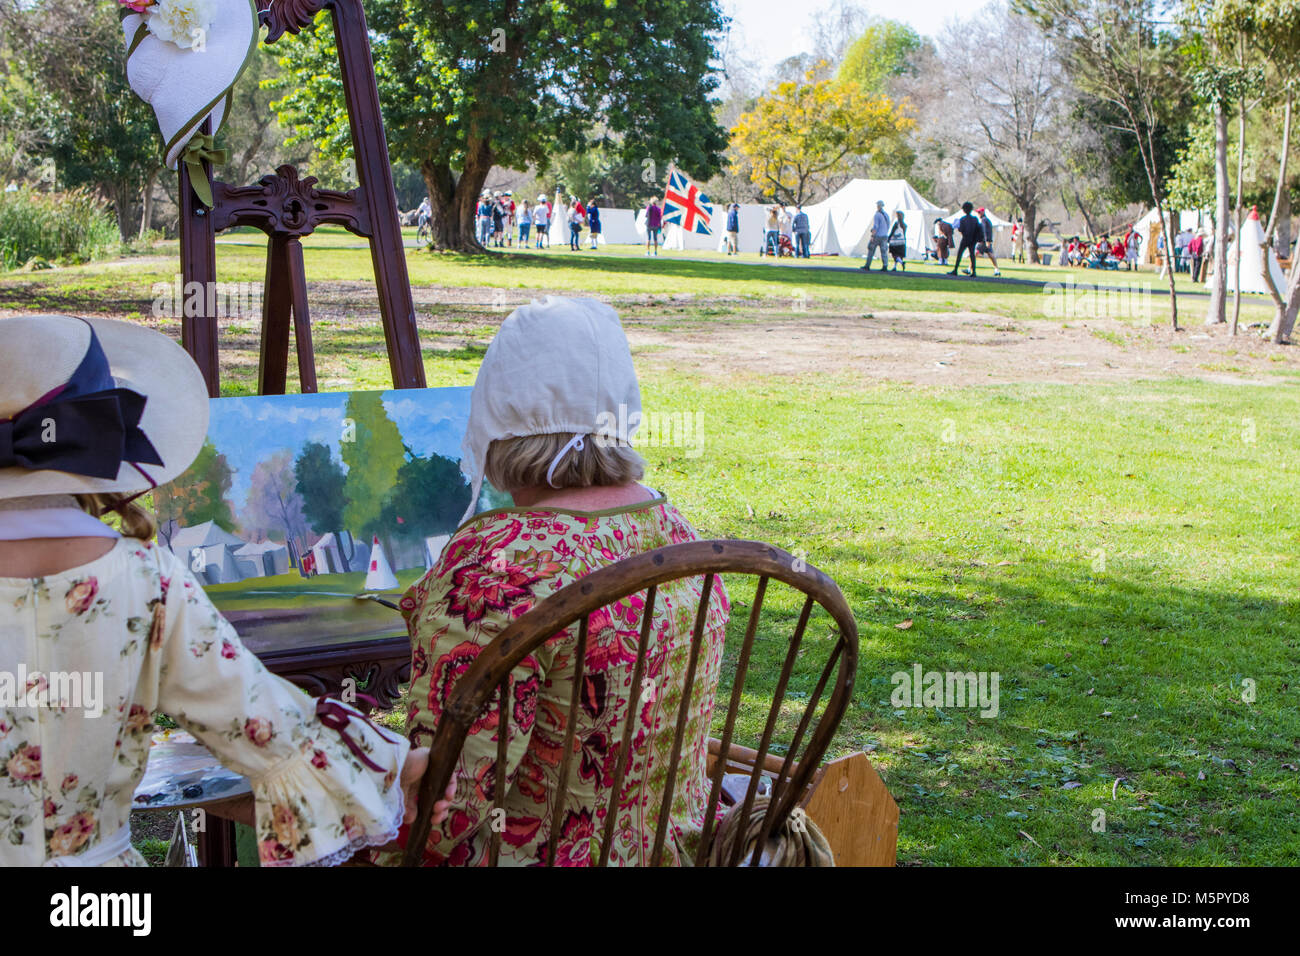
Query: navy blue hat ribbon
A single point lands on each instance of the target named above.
(87, 426)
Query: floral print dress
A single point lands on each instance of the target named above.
(137, 616)
(494, 569)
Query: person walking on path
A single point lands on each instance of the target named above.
(654, 224)
(525, 223)
(879, 238)
(802, 233)
(898, 241)
(483, 217)
(986, 244)
(541, 221)
(971, 232)
(1196, 252)
(772, 234)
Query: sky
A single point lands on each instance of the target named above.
(776, 29)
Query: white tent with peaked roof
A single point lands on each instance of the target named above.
(841, 223)
(1252, 272)
(379, 576)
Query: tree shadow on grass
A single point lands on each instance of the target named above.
(846, 277)
(1167, 707)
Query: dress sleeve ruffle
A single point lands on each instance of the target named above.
(325, 804)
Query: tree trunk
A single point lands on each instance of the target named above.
(1283, 241)
(453, 200)
(1087, 220)
(1285, 311)
(1031, 231)
(1284, 321)
(1217, 312)
(1236, 266)
(122, 210)
(146, 210)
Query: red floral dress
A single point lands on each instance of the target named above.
(494, 569)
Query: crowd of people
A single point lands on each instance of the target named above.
(500, 222)
(785, 232)
(1192, 250)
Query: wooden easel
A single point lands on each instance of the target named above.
(287, 207)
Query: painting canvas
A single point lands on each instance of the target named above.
(300, 508)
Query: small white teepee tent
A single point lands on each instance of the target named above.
(379, 576)
(1252, 273)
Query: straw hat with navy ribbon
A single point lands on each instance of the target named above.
(183, 58)
(94, 406)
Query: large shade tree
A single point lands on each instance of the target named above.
(1121, 53)
(471, 84)
(1009, 124)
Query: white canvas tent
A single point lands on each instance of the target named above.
(1252, 273)
(841, 223)
(1147, 228)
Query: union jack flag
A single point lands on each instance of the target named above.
(685, 205)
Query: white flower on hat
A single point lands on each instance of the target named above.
(182, 22)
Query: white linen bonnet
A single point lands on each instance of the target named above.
(561, 365)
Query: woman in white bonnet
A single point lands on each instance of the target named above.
(551, 418)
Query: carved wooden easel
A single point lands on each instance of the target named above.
(287, 208)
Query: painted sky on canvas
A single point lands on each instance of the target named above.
(250, 429)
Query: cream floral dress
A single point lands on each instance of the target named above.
(137, 616)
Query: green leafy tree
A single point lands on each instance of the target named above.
(1123, 54)
(804, 137)
(91, 124)
(468, 85)
(373, 460)
(320, 483)
(885, 50)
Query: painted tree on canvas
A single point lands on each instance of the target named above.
(430, 496)
(197, 496)
(274, 508)
(320, 482)
(373, 456)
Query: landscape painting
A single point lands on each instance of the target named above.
(301, 510)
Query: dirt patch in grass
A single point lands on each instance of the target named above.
(726, 336)
(958, 348)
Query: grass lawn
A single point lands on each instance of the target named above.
(1122, 554)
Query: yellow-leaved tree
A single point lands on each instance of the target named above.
(801, 137)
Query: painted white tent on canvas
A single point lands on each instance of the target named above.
(379, 576)
(841, 223)
(1252, 273)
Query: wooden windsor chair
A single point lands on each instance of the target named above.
(790, 776)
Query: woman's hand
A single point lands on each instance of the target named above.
(417, 761)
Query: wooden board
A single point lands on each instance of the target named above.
(852, 807)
